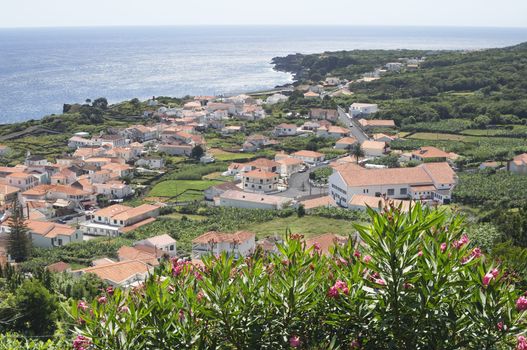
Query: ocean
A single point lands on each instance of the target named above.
(40, 69)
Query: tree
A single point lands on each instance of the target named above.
(101, 103)
(356, 151)
(301, 211)
(197, 152)
(482, 121)
(19, 242)
(37, 309)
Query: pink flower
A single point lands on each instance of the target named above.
(102, 300)
(316, 247)
(495, 272)
(81, 343)
(487, 278)
(176, 270)
(200, 295)
(333, 292)
(294, 341)
(356, 254)
(380, 281)
(109, 290)
(521, 303)
(198, 275)
(82, 305)
(443, 247)
(408, 285)
(420, 253)
(464, 240)
(181, 315)
(476, 253)
(355, 344)
(340, 284)
(522, 343)
(499, 325)
(367, 258)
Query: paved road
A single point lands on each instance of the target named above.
(351, 123)
(299, 185)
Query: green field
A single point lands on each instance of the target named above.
(307, 225)
(436, 136)
(186, 190)
(224, 156)
(217, 176)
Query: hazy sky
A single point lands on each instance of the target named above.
(37, 13)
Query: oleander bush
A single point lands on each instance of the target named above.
(413, 282)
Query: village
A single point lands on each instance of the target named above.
(90, 192)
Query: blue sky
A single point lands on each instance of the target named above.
(58, 13)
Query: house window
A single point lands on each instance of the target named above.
(60, 241)
(403, 191)
(172, 247)
(391, 192)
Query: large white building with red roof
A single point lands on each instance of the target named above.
(428, 181)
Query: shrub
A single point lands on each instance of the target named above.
(416, 285)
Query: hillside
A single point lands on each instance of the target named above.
(448, 84)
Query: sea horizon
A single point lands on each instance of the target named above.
(41, 68)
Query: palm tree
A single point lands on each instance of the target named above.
(356, 151)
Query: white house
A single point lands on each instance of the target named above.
(333, 131)
(114, 189)
(259, 180)
(21, 180)
(77, 141)
(310, 157)
(110, 140)
(285, 130)
(357, 109)
(239, 199)
(428, 181)
(345, 143)
(46, 234)
(163, 242)
(289, 166)
(151, 162)
(374, 148)
(176, 149)
(123, 274)
(117, 218)
(216, 190)
(239, 244)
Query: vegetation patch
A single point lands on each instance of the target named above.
(173, 188)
